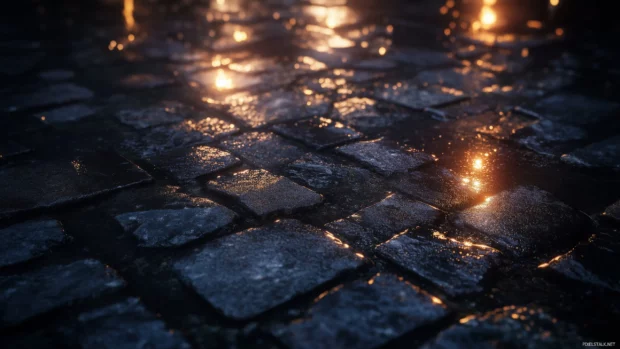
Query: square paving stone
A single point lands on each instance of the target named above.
(508, 327)
(69, 113)
(463, 79)
(408, 94)
(175, 227)
(248, 273)
(602, 154)
(24, 241)
(276, 107)
(364, 314)
(438, 187)
(381, 221)
(264, 193)
(318, 132)
(550, 138)
(46, 96)
(576, 109)
(194, 162)
(33, 293)
(525, 220)
(163, 113)
(384, 159)
(263, 149)
(458, 267)
(368, 114)
(613, 211)
(48, 183)
(126, 324)
(183, 134)
(590, 262)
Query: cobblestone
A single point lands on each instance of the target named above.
(263, 149)
(38, 292)
(458, 267)
(47, 96)
(525, 220)
(365, 314)
(22, 242)
(384, 159)
(140, 329)
(264, 193)
(318, 132)
(601, 154)
(194, 162)
(245, 274)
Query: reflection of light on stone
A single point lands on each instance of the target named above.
(477, 164)
(467, 319)
(359, 255)
(223, 82)
(525, 52)
(128, 7)
(534, 24)
(332, 17)
(338, 41)
(490, 2)
(488, 17)
(436, 300)
(240, 36)
(559, 32)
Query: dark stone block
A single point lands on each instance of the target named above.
(458, 267)
(22, 242)
(48, 183)
(30, 294)
(126, 324)
(602, 154)
(194, 162)
(525, 220)
(248, 273)
(47, 96)
(263, 149)
(264, 193)
(384, 159)
(364, 314)
(166, 228)
(318, 132)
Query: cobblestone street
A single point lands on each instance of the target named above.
(307, 174)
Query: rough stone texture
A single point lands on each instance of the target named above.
(166, 112)
(68, 113)
(194, 162)
(458, 267)
(368, 114)
(576, 109)
(408, 94)
(384, 159)
(525, 220)
(165, 228)
(549, 138)
(601, 154)
(276, 107)
(613, 211)
(510, 326)
(126, 324)
(44, 184)
(146, 81)
(422, 58)
(463, 79)
(30, 294)
(24, 241)
(46, 96)
(383, 220)
(364, 314)
(248, 273)
(9, 148)
(590, 262)
(438, 187)
(264, 193)
(263, 149)
(318, 132)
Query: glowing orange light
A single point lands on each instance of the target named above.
(490, 2)
(128, 8)
(554, 2)
(222, 82)
(477, 164)
(534, 24)
(240, 36)
(436, 300)
(382, 51)
(488, 17)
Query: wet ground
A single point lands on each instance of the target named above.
(308, 174)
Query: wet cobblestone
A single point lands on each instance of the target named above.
(308, 174)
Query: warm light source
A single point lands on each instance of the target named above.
(128, 7)
(554, 2)
(222, 82)
(487, 17)
(478, 164)
(239, 36)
